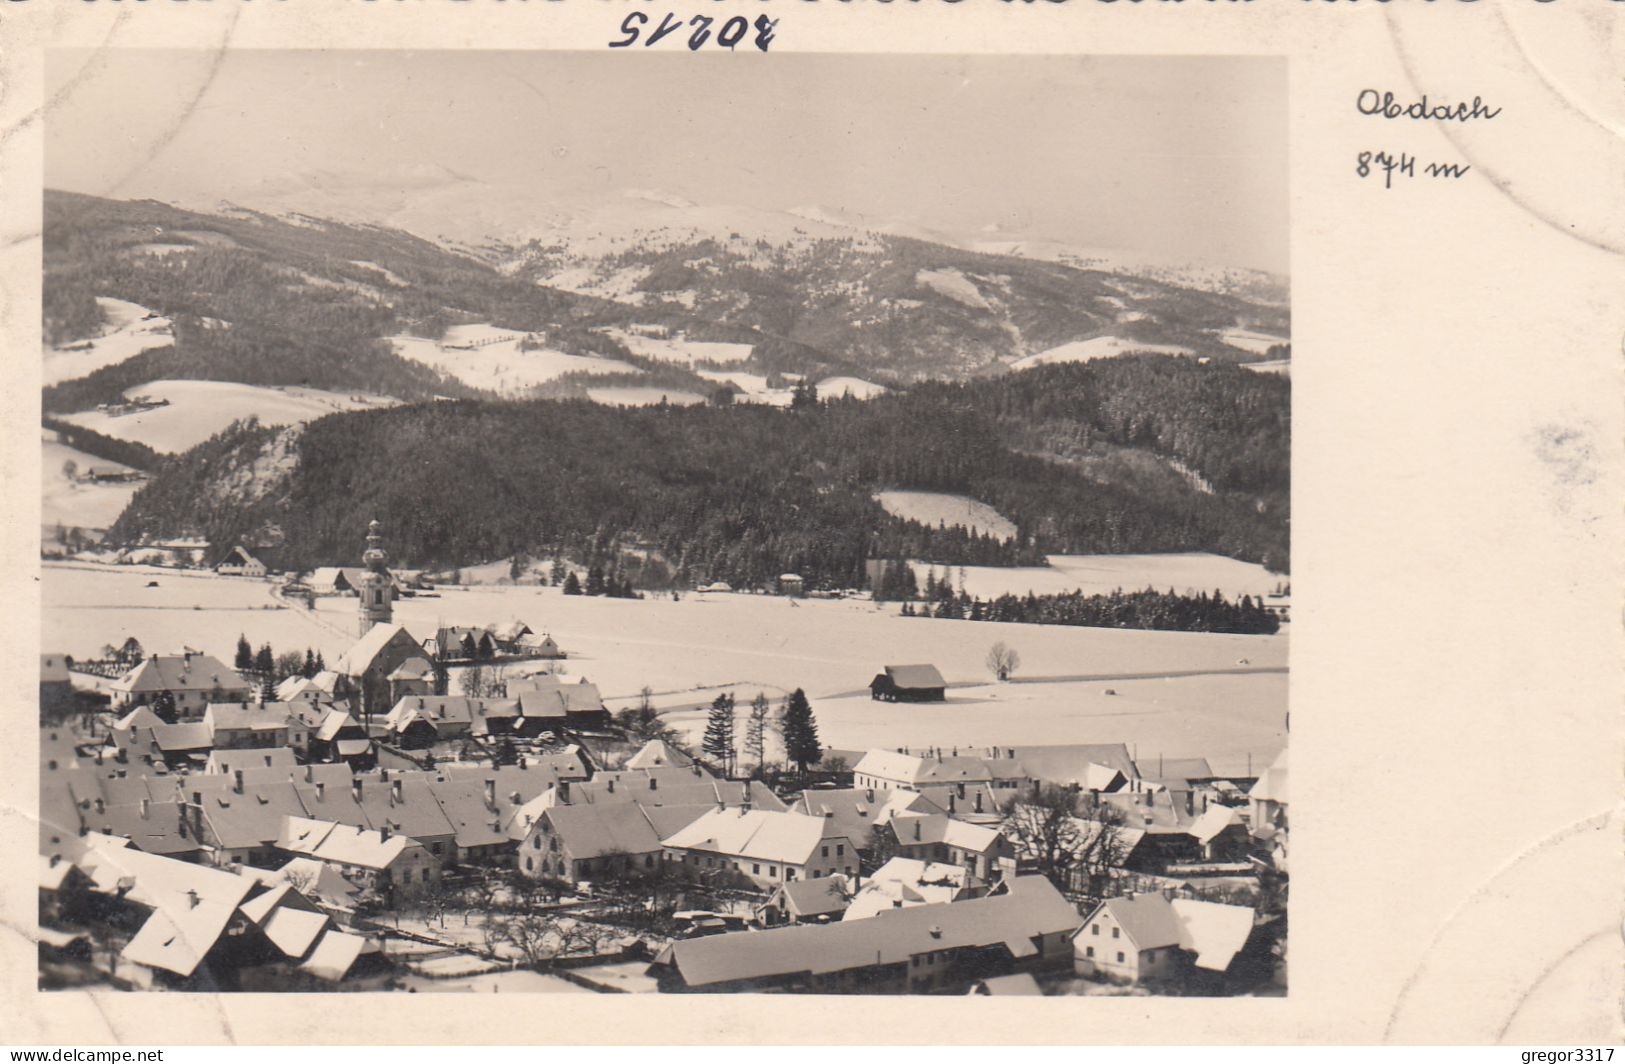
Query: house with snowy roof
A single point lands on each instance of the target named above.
(190, 680)
(1142, 938)
(385, 862)
(904, 881)
(941, 947)
(983, 851)
(761, 847)
(858, 812)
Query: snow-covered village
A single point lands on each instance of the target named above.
(429, 806)
(507, 548)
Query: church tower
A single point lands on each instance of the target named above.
(377, 588)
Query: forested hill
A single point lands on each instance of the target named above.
(1142, 453)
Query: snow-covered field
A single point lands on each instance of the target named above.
(857, 387)
(129, 331)
(1099, 347)
(686, 651)
(1103, 573)
(953, 284)
(642, 396)
(484, 356)
(72, 503)
(680, 350)
(753, 386)
(932, 508)
(199, 409)
(1282, 366)
(1256, 342)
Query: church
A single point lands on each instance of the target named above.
(387, 663)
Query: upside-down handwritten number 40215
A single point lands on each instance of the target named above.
(731, 33)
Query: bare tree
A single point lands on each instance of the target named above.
(1075, 852)
(542, 938)
(757, 722)
(1002, 661)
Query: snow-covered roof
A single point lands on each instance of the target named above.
(180, 672)
(757, 834)
(359, 658)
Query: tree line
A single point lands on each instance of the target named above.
(1149, 609)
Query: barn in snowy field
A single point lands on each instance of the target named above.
(909, 683)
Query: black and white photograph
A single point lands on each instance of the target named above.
(596, 522)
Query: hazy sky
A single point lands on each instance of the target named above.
(1184, 157)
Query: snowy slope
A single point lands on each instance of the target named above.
(131, 329)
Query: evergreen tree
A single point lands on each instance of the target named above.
(558, 572)
(245, 654)
(719, 733)
(309, 668)
(595, 579)
(321, 666)
(163, 707)
(265, 661)
(800, 731)
(572, 586)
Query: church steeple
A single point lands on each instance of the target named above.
(377, 586)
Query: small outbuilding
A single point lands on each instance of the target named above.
(909, 683)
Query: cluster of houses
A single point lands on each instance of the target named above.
(921, 862)
(247, 843)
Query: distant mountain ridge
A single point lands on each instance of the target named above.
(298, 299)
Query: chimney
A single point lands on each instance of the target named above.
(869, 795)
(654, 783)
(696, 768)
(321, 791)
(383, 775)
(395, 791)
(978, 801)
(514, 797)
(1012, 754)
(383, 832)
(951, 802)
(562, 787)
(936, 932)
(491, 794)
(146, 807)
(916, 829)
(310, 774)
(612, 785)
(521, 762)
(355, 788)
(237, 780)
(192, 896)
(197, 798)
